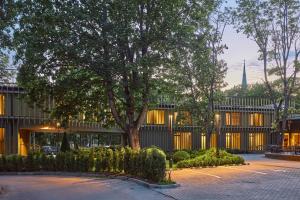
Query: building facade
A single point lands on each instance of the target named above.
(243, 124)
(24, 126)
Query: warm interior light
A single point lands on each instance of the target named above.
(45, 127)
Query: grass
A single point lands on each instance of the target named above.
(166, 182)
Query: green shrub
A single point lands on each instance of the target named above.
(116, 160)
(121, 159)
(2, 163)
(91, 161)
(60, 161)
(70, 162)
(109, 157)
(127, 159)
(180, 155)
(147, 163)
(154, 167)
(210, 158)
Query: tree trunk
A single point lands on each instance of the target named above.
(125, 139)
(134, 138)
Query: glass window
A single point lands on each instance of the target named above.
(203, 141)
(256, 119)
(156, 117)
(213, 140)
(233, 119)
(183, 140)
(256, 141)
(183, 118)
(295, 139)
(2, 141)
(233, 140)
(2, 104)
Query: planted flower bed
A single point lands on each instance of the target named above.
(149, 164)
(210, 158)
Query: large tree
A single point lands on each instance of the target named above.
(7, 14)
(123, 44)
(200, 72)
(274, 26)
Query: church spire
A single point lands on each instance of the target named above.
(244, 81)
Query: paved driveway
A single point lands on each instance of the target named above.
(262, 179)
(73, 188)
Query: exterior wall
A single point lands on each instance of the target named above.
(20, 117)
(163, 135)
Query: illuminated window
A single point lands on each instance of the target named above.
(233, 140)
(183, 140)
(2, 104)
(256, 141)
(213, 140)
(233, 119)
(203, 141)
(2, 144)
(286, 140)
(183, 118)
(156, 117)
(295, 139)
(217, 119)
(256, 119)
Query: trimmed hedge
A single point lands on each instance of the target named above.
(210, 158)
(147, 163)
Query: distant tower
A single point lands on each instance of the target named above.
(244, 81)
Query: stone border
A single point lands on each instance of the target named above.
(280, 156)
(92, 175)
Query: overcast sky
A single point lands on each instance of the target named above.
(240, 48)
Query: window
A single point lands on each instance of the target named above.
(203, 141)
(183, 140)
(2, 142)
(256, 119)
(233, 140)
(2, 104)
(213, 140)
(217, 119)
(233, 119)
(156, 117)
(183, 118)
(291, 139)
(256, 141)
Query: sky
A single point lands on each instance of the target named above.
(239, 48)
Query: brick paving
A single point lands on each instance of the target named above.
(262, 179)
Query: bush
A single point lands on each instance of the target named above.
(146, 163)
(210, 159)
(180, 155)
(154, 164)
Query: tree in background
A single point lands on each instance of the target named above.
(274, 27)
(253, 90)
(200, 72)
(7, 13)
(116, 49)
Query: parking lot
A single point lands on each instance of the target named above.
(261, 179)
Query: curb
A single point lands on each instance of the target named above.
(91, 175)
(279, 156)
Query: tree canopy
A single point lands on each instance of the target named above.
(107, 53)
